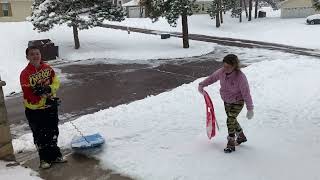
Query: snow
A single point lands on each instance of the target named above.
(164, 136)
(16, 172)
(272, 29)
(95, 43)
(315, 16)
(131, 3)
(110, 44)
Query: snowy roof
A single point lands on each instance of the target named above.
(203, 0)
(17, 0)
(131, 3)
(136, 2)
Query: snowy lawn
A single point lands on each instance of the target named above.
(17, 172)
(163, 136)
(117, 46)
(270, 29)
(95, 43)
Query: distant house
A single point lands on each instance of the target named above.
(202, 6)
(120, 2)
(134, 10)
(297, 8)
(15, 10)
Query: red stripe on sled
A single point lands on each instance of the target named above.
(211, 118)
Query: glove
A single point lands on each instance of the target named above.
(53, 102)
(40, 90)
(200, 89)
(250, 114)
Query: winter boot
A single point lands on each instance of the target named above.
(44, 164)
(231, 145)
(241, 138)
(60, 160)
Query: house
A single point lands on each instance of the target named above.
(297, 8)
(120, 2)
(134, 10)
(15, 10)
(202, 6)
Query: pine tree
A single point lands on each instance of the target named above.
(214, 11)
(316, 4)
(171, 10)
(78, 14)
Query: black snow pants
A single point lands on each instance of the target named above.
(44, 126)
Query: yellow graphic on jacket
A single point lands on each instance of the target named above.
(42, 77)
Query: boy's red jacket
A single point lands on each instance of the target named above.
(31, 76)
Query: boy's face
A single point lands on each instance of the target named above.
(34, 56)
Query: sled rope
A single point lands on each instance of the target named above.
(75, 127)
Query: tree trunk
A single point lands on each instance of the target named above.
(240, 15)
(217, 14)
(76, 36)
(6, 149)
(245, 8)
(147, 10)
(185, 34)
(256, 9)
(221, 17)
(250, 10)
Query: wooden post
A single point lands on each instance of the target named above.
(6, 149)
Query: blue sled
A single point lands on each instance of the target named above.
(87, 142)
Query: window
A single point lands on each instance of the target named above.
(5, 9)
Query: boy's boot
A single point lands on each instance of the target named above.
(44, 164)
(60, 160)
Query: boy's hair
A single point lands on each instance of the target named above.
(31, 48)
(233, 60)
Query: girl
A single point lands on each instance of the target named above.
(234, 92)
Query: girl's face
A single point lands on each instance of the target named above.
(34, 56)
(228, 68)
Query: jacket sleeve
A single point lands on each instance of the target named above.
(55, 84)
(245, 92)
(25, 86)
(214, 77)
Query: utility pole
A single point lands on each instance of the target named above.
(6, 148)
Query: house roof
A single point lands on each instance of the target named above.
(203, 0)
(131, 3)
(5, 1)
(136, 2)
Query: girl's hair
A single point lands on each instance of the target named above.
(232, 60)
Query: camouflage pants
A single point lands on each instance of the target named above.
(232, 111)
